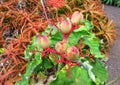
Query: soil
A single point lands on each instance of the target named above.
(114, 61)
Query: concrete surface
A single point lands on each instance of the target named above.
(114, 60)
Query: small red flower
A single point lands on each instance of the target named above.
(56, 3)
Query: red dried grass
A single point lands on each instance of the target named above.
(28, 23)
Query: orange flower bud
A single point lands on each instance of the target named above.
(60, 46)
(43, 42)
(72, 53)
(76, 17)
(65, 26)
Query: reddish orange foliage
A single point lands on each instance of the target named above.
(27, 22)
(56, 3)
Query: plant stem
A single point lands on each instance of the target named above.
(56, 16)
(113, 81)
(59, 66)
(43, 6)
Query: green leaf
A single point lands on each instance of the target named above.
(88, 24)
(55, 38)
(78, 76)
(27, 52)
(46, 63)
(34, 41)
(88, 38)
(47, 30)
(32, 47)
(54, 30)
(2, 50)
(38, 57)
(75, 36)
(99, 71)
(29, 70)
(81, 29)
(89, 68)
(52, 59)
(94, 45)
(50, 30)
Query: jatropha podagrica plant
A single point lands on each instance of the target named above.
(65, 53)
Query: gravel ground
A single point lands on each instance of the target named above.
(114, 60)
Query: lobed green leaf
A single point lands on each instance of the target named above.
(55, 38)
(78, 76)
(29, 70)
(99, 71)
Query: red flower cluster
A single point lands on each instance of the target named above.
(56, 3)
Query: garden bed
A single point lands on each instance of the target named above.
(45, 42)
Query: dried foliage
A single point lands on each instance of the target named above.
(19, 21)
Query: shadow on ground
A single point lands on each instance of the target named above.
(114, 60)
